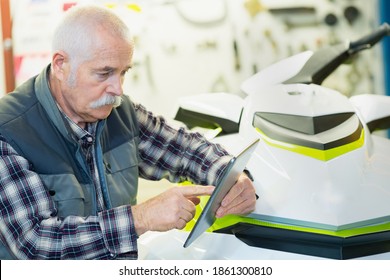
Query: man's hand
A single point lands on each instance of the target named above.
(241, 199)
(171, 209)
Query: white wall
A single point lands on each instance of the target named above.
(186, 47)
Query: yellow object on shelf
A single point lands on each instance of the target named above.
(134, 7)
(110, 5)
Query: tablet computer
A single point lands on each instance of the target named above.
(229, 177)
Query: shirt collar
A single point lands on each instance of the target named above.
(80, 133)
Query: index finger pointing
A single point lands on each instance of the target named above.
(196, 190)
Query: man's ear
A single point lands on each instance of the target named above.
(59, 64)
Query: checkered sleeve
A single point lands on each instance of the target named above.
(30, 229)
(177, 154)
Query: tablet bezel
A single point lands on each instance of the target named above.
(230, 176)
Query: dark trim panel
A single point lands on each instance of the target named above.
(313, 244)
(304, 124)
(379, 124)
(259, 123)
(192, 119)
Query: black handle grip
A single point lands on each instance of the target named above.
(369, 40)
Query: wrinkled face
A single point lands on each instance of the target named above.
(94, 86)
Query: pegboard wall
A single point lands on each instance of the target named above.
(186, 47)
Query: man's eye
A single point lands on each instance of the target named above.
(104, 74)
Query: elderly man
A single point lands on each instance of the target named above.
(72, 148)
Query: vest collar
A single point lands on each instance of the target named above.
(46, 99)
(48, 102)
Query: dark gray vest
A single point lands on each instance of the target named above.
(33, 126)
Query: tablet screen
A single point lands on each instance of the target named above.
(230, 176)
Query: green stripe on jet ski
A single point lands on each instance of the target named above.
(233, 219)
(323, 155)
(230, 220)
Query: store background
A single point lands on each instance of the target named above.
(187, 47)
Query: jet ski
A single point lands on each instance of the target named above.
(321, 173)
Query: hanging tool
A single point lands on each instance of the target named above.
(351, 13)
(253, 7)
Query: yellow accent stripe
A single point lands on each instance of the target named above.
(323, 155)
(234, 219)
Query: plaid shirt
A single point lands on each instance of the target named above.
(31, 230)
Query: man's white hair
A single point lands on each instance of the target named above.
(75, 33)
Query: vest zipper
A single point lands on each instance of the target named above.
(100, 166)
(80, 158)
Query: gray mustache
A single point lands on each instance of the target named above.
(106, 100)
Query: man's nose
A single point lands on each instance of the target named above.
(115, 86)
